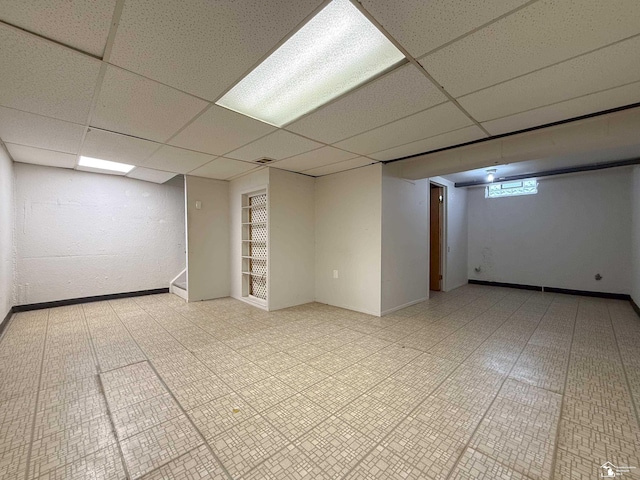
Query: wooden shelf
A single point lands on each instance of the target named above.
(255, 274)
(255, 223)
(255, 258)
(264, 205)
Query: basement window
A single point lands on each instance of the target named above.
(512, 189)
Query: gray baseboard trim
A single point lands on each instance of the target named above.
(97, 298)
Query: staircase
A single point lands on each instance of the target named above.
(178, 285)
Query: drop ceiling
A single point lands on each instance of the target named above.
(136, 81)
(556, 162)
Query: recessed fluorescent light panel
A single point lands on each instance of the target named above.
(334, 52)
(104, 165)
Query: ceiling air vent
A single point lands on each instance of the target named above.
(265, 160)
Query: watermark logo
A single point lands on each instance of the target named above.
(609, 470)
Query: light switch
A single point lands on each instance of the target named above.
(198, 204)
(335, 274)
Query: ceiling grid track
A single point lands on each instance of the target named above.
(419, 66)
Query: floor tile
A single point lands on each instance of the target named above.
(475, 466)
(70, 445)
(331, 394)
(295, 416)
(610, 422)
(65, 415)
(529, 395)
(288, 464)
(133, 419)
(542, 367)
(570, 466)
(334, 446)
(104, 464)
(527, 455)
(198, 464)
(266, 393)
(536, 423)
(591, 444)
(430, 451)
(452, 421)
(200, 392)
(217, 416)
(371, 416)
(244, 446)
(301, 376)
(159, 445)
(398, 395)
(277, 362)
(135, 373)
(383, 463)
(13, 463)
(15, 432)
(132, 393)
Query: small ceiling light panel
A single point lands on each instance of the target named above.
(95, 164)
(337, 50)
(491, 174)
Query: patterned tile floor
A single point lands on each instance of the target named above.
(476, 383)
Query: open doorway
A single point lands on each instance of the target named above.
(436, 227)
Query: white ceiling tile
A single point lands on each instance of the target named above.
(117, 148)
(149, 175)
(277, 145)
(174, 159)
(457, 137)
(601, 70)
(38, 131)
(395, 95)
(313, 159)
(199, 46)
(39, 156)
(81, 24)
(218, 131)
(543, 33)
(434, 121)
(340, 166)
(223, 168)
(41, 77)
(422, 26)
(576, 107)
(131, 104)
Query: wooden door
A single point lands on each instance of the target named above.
(435, 237)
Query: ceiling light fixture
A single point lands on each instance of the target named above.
(337, 50)
(491, 174)
(97, 164)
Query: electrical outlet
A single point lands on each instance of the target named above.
(335, 274)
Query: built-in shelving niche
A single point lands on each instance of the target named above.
(255, 250)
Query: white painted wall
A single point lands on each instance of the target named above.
(635, 237)
(349, 239)
(245, 184)
(576, 226)
(405, 241)
(207, 238)
(291, 239)
(6, 233)
(82, 234)
(455, 208)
